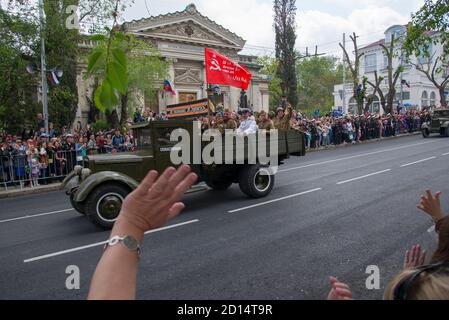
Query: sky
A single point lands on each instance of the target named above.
(319, 22)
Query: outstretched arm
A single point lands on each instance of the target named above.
(151, 205)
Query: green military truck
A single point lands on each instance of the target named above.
(98, 188)
(439, 123)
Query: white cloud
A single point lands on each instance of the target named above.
(253, 19)
(326, 30)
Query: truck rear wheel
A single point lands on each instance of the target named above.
(219, 185)
(256, 181)
(425, 133)
(104, 204)
(79, 207)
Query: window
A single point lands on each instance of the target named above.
(433, 99)
(371, 63)
(385, 61)
(406, 95)
(374, 107)
(424, 99)
(424, 58)
(352, 108)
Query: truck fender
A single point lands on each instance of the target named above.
(445, 124)
(96, 179)
(425, 126)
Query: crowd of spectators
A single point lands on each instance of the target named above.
(36, 157)
(33, 157)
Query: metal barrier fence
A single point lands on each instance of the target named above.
(27, 171)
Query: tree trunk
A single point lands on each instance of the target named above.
(124, 109)
(443, 101)
(113, 119)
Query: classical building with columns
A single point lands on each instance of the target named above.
(181, 37)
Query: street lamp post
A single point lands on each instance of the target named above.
(43, 68)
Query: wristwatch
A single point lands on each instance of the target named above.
(129, 242)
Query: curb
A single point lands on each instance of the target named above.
(28, 191)
(332, 147)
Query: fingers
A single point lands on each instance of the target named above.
(175, 210)
(161, 184)
(422, 258)
(333, 280)
(147, 182)
(179, 176)
(183, 186)
(406, 259)
(438, 195)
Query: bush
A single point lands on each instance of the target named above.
(100, 125)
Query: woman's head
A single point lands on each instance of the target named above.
(425, 283)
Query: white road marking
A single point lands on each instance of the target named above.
(97, 244)
(275, 200)
(36, 215)
(445, 154)
(419, 161)
(355, 156)
(365, 176)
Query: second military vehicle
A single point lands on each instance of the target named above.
(439, 123)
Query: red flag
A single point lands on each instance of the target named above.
(221, 70)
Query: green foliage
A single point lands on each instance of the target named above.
(124, 63)
(270, 68)
(285, 26)
(316, 80)
(100, 125)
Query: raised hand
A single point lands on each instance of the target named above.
(156, 200)
(431, 205)
(415, 257)
(339, 290)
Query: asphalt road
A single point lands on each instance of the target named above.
(331, 213)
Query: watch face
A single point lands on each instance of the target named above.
(131, 243)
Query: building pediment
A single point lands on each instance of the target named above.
(188, 26)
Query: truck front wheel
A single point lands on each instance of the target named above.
(79, 207)
(104, 204)
(256, 181)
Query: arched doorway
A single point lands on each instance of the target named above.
(424, 99)
(352, 106)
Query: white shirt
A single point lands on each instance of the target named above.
(247, 127)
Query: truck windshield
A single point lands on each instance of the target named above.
(144, 139)
(442, 113)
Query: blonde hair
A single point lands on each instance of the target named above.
(427, 286)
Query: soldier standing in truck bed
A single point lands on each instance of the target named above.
(282, 120)
(264, 122)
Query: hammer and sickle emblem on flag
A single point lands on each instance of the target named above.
(214, 65)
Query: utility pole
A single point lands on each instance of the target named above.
(43, 67)
(344, 74)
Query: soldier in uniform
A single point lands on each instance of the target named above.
(282, 120)
(264, 122)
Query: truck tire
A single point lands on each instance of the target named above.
(253, 183)
(104, 203)
(219, 185)
(425, 133)
(79, 207)
(447, 131)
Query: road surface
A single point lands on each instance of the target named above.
(334, 212)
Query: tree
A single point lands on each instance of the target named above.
(430, 25)
(393, 76)
(377, 90)
(359, 89)
(124, 64)
(270, 68)
(18, 38)
(284, 25)
(317, 77)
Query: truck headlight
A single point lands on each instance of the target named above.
(78, 170)
(85, 173)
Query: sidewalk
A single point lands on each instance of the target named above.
(56, 186)
(331, 147)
